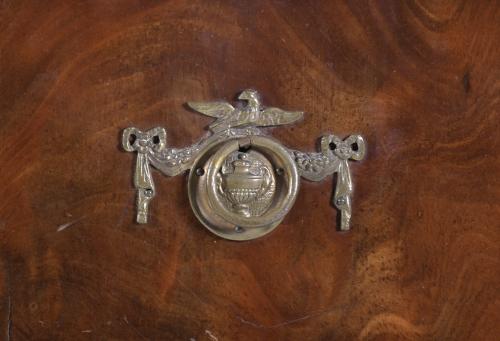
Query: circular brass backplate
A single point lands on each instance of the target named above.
(242, 188)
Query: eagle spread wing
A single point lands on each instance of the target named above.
(213, 109)
(276, 116)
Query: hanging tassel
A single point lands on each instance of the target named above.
(143, 182)
(342, 197)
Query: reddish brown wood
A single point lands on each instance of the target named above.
(419, 79)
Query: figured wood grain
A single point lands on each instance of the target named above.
(420, 79)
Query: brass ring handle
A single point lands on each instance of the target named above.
(286, 188)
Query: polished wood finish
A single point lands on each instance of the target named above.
(419, 79)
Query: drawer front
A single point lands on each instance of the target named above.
(420, 81)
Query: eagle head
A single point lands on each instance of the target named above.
(249, 95)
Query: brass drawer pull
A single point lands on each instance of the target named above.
(242, 183)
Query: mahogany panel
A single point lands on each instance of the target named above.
(419, 79)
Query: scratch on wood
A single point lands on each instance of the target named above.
(65, 226)
(281, 324)
(9, 319)
(287, 322)
(250, 323)
(211, 335)
(71, 223)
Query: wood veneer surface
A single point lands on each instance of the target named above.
(419, 79)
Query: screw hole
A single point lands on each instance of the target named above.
(156, 139)
(355, 146)
(200, 171)
(332, 146)
(341, 201)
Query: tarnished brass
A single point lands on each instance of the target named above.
(243, 195)
(242, 183)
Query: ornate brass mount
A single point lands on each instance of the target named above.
(242, 183)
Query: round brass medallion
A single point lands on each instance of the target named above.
(242, 188)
